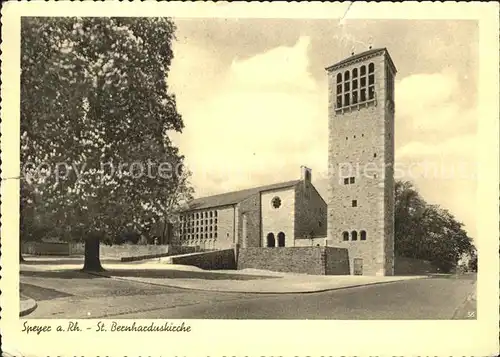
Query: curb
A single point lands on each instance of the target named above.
(250, 292)
(27, 307)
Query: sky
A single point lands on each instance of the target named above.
(253, 97)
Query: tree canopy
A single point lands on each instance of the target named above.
(96, 113)
(426, 231)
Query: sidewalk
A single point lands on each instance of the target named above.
(27, 305)
(157, 272)
(283, 285)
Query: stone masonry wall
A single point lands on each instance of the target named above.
(358, 147)
(389, 203)
(313, 242)
(306, 260)
(219, 259)
(249, 211)
(336, 261)
(310, 212)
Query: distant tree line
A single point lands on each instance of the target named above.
(428, 232)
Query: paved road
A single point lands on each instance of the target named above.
(436, 298)
(78, 296)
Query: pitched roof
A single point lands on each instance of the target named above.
(231, 198)
(369, 53)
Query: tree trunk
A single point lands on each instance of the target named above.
(92, 257)
(163, 234)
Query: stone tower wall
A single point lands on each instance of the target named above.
(361, 145)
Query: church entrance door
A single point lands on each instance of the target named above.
(270, 240)
(281, 239)
(358, 266)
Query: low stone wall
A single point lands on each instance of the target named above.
(310, 242)
(411, 266)
(172, 250)
(177, 249)
(142, 251)
(114, 251)
(45, 248)
(131, 250)
(76, 248)
(214, 260)
(307, 260)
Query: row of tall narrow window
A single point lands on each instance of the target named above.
(207, 228)
(354, 235)
(356, 88)
(199, 236)
(201, 222)
(197, 215)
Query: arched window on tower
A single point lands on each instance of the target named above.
(363, 235)
(362, 84)
(355, 89)
(345, 235)
(347, 89)
(371, 81)
(339, 90)
(354, 235)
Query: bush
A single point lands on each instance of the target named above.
(128, 238)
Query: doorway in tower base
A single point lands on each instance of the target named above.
(358, 266)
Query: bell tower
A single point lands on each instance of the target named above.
(361, 160)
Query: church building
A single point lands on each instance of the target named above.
(358, 216)
(274, 215)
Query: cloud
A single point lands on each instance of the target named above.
(460, 147)
(283, 69)
(264, 118)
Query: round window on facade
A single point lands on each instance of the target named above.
(276, 202)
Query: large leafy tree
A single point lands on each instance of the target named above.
(425, 231)
(96, 112)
